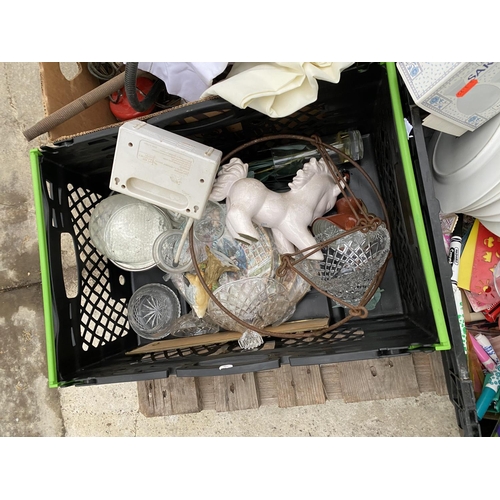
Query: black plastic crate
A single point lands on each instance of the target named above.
(88, 336)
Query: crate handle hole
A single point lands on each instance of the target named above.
(121, 279)
(70, 70)
(69, 266)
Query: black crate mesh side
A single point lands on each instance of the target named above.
(302, 122)
(407, 260)
(327, 339)
(103, 318)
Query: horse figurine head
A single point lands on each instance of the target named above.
(315, 178)
(313, 192)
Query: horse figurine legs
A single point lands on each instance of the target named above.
(240, 225)
(282, 244)
(242, 229)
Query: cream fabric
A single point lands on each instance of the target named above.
(275, 89)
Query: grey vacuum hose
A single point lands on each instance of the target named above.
(77, 106)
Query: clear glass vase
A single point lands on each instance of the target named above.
(350, 264)
(256, 301)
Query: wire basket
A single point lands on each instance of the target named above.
(367, 224)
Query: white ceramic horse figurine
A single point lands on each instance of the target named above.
(313, 192)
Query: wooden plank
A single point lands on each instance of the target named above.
(331, 381)
(236, 392)
(180, 343)
(268, 345)
(207, 395)
(438, 373)
(299, 386)
(170, 396)
(285, 387)
(184, 395)
(423, 371)
(288, 386)
(308, 385)
(375, 379)
(222, 337)
(266, 388)
(154, 399)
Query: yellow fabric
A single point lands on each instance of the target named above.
(275, 89)
(467, 258)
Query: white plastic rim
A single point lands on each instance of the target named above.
(487, 218)
(457, 159)
(466, 168)
(489, 197)
(491, 211)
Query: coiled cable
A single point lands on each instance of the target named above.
(104, 71)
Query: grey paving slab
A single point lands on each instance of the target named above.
(20, 107)
(29, 407)
(112, 411)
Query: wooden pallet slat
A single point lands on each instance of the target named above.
(266, 385)
(287, 386)
(153, 398)
(423, 371)
(438, 374)
(299, 386)
(331, 380)
(170, 396)
(207, 392)
(375, 379)
(184, 395)
(236, 392)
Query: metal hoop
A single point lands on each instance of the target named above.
(365, 223)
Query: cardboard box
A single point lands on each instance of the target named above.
(58, 91)
(459, 96)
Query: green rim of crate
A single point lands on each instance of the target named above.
(44, 269)
(423, 243)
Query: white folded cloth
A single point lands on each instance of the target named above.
(275, 89)
(185, 79)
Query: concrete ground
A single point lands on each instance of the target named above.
(30, 408)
